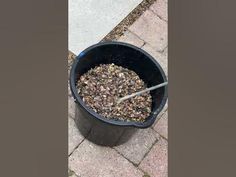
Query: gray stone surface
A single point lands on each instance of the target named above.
(160, 8)
(74, 136)
(74, 175)
(71, 107)
(161, 57)
(161, 126)
(131, 38)
(69, 90)
(150, 28)
(90, 160)
(155, 163)
(91, 20)
(71, 173)
(138, 145)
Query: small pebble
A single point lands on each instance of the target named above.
(101, 87)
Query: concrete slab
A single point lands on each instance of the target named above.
(91, 20)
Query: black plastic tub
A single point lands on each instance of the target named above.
(108, 131)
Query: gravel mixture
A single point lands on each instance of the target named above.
(101, 87)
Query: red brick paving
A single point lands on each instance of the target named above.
(161, 126)
(90, 160)
(150, 28)
(136, 148)
(155, 163)
(71, 107)
(131, 38)
(160, 8)
(74, 136)
(161, 57)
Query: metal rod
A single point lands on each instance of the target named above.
(140, 92)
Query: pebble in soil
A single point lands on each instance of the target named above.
(101, 87)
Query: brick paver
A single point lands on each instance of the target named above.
(160, 57)
(71, 107)
(90, 160)
(71, 173)
(155, 163)
(160, 8)
(162, 125)
(138, 145)
(74, 136)
(150, 28)
(165, 108)
(71, 57)
(69, 91)
(131, 38)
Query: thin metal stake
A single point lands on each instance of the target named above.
(140, 92)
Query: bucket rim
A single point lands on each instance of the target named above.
(97, 116)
